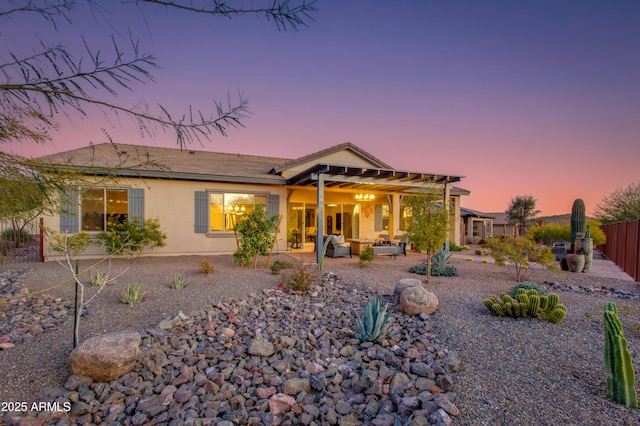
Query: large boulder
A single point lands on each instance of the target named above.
(415, 300)
(107, 357)
(405, 283)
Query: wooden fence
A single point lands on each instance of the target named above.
(623, 246)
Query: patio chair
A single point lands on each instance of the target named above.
(338, 247)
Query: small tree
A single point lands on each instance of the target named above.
(521, 212)
(131, 239)
(428, 228)
(622, 204)
(254, 236)
(516, 251)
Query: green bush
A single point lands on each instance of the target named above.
(366, 256)
(439, 265)
(436, 271)
(132, 236)
(454, 247)
(278, 265)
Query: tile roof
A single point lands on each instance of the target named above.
(173, 161)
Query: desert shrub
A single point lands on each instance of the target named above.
(436, 270)
(133, 295)
(132, 236)
(373, 324)
(178, 282)
(366, 256)
(278, 265)
(454, 247)
(206, 266)
(466, 247)
(300, 279)
(528, 285)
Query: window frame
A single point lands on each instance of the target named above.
(224, 213)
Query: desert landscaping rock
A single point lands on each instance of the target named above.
(24, 316)
(404, 283)
(416, 300)
(188, 372)
(107, 357)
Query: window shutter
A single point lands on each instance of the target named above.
(273, 207)
(378, 224)
(69, 211)
(202, 212)
(136, 204)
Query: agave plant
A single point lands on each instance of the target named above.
(98, 279)
(178, 282)
(133, 295)
(374, 322)
(441, 258)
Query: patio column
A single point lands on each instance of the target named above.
(395, 215)
(320, 218)
(447, 204)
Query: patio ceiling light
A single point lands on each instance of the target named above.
(365, 197)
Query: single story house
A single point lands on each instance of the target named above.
(198, 196)
(477, 226)
(501, 225)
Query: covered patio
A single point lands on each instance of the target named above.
(360, 201)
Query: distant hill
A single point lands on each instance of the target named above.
(559, 219)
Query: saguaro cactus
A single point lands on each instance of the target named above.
(620, 374)
(578, 219)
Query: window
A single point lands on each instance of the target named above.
(96, 209)
(382, 217)
(226, 209)
(220, 211)
(100, 208)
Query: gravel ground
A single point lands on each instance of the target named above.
(513, 371)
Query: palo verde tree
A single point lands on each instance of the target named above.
(428, 226)
(41, 83)
(620, 205)
(37, 86)
(521, 212)
(519, 252)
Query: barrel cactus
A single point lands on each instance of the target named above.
(620, 374)
(578, 219)
(527, 304)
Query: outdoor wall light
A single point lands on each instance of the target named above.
(365, 197)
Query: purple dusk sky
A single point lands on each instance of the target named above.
(536, 98)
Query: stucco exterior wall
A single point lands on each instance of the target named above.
(172, 203)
